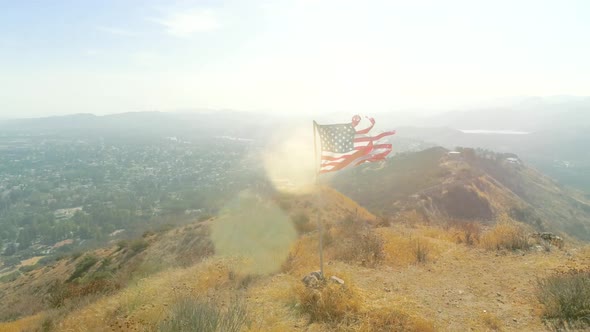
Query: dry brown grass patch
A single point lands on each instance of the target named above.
(145, 303)
(391, 320)
(329, 303)
(303, 256)
(491, 321)
(403, 248)
(206, 315)
(343, 308)
(29, 323)
(506, 234)
(566, 299)
(356, 241)
(468, 233)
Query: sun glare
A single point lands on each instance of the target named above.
(289, 163)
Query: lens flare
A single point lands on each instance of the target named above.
(255, 229)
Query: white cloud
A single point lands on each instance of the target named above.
(116, 31)
(187, 23)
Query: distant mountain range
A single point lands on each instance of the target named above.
(532, 114)
(146, 124)
(557, 141)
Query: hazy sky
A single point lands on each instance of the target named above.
(59, 57)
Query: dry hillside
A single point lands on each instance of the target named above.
(402, 273)
(473, 185)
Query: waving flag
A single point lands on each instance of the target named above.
(350, 144)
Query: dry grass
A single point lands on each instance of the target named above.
(468, 233)
(392, 320)
(410, 218)
(330, 303)
(146, 303)
(30, 323)
(403, 247)
(421, 250)
(206, 315)
(506, 234)
(303, 257)
(272, 304)
(357, 242)
(462, 283)
(425, 282)
(566, 298)
(345, 308)
(491, 321)
(344, 205)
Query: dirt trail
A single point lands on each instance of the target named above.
(465, 289)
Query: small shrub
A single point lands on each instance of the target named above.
(365, 247)
(358, 242)
(138, 245)
(383, 221)
(330, 303)
(195, 314)
(420, 250)
(83, 266)
(566, 297)
(491, 321)
(468, 232)
(56, 295)
(506, 235)
(472, 234)
(391, 320)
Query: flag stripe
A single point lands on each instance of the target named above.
(366, 130)
(346, 145)
(339, 165)
(373, 138)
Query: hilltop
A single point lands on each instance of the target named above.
(401, 273)
(65, 279)
(467, 185)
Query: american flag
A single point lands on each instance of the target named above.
(350, 144)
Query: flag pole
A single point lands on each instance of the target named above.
(318, 200)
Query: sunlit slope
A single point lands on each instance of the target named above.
(262, 228)
(67, 278)
(400, 274)
(473, 185)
